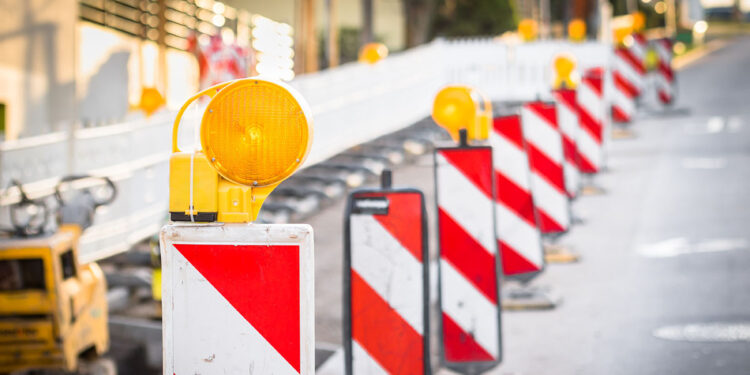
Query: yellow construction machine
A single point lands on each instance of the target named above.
(53, 309)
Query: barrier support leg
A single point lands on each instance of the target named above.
(557, 253)
(526, 297)
(590, 188)
(621, 132)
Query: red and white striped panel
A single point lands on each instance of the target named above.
(626, 75)
(517, 232)
(639, 49)
(468, 267)
(664, 75)
(545, 149)
(387, 299)
(592, 113)
(238, 296)
(567, 118)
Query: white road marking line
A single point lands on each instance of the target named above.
(715, 125)
(681, 246)
(705, 332)
(704, 163)
(735, 124)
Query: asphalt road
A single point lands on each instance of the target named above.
(663, 286)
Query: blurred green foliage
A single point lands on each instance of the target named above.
(456, 18)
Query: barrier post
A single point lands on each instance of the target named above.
(386, 290)
(546, 158)
(593, 123)
(469, 263)
(518, 236)
(665, 77)
(567, 117)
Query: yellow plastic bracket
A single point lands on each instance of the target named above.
(234, 203)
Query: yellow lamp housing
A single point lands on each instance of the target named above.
(371, 53)
(639, 21)
(458, 107)
(151, 100)
(484, 118)
(566, 76)
(254, 134)
(527, 29)
(577, 30)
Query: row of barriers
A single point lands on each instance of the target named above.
(351, 104)
(499, 199)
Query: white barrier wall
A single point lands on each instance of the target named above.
(351, 104)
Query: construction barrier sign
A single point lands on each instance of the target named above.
(238, 298)
(546, 157)
(469, 265)
(518, 235)
(386, 315)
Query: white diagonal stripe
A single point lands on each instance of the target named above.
(589, 148)
(572, 179)
(544, 136)
(548, 199)
(567, 119)
(465, 203)
(389, 268)
(469, 308)
(625, 103)
(363, 363)
(522, 236)
(628, 72)
(510, 161)
(590, 102)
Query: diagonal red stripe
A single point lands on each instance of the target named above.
(460, 346)
(467, 255)
(514, 262)
(590, 125)
(631, 59)
(585, 165)
(666, 71)
(624, 86)
(383, 333)
(546, 111)
(515, 198)
(404, 219)
(547, 224)
(262, 283)
(510, 128)
(569, 149)
(665, 97)
(545, 167)
(475, 163)
(593, 81)
(619, 115)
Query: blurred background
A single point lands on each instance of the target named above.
(95, 62)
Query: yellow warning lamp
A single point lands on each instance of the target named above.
(456, 108)
(151, 100)
(621, 34)
(527, 29)
(639, 21)
(485, 117)
(651, 60)
(254, 134)
(371, 53)
(577, 30)
(566, 76)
